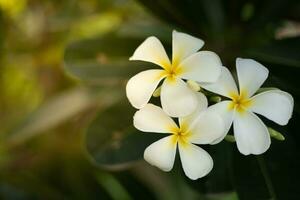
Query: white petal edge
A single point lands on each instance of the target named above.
(275, 105)
(153, 119)
(151, 50)
(251, 135)
(251, 75)
(224, 86)
(202, 105)
(184, 45)
(203, 66)
(162, 153)
(207, 127)
(195, 161)
(140, 87)
(226, 114)
(177, 99)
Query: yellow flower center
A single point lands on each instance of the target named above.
(240, 102)
(181, 136)
(172, 72)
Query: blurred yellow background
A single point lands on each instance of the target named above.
(50, 162)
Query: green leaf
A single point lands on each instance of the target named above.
(166, 186)
(224, 196)
(143, 29)
(217, 20)
(59, 109)
(112, 186)
(198, 17)
(272, 11)
(281, 52)
(113, 142)
(103, 60)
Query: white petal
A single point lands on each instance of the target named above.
(140, 87)
(162, 153)
(251, 135)
(151, 50)
(203, 66)
(152, 118)
(251, 75)
(207, 127)
(224, 86)
(226, 114)
(177, 98)
(195, 161)
(189, 119)
(275, 105)
(183, 46)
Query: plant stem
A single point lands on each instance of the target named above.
(266, 175)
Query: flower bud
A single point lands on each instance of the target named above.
(275, 134)
(156, 93)
(215, 99)
(229, 138)
(194, 85)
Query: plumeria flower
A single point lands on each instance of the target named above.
(177, 98)
(202, 127)
(251, 135)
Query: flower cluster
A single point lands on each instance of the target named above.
(198, 123)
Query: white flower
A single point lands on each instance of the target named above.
(252, 136)
(201, 127)
(177, 98)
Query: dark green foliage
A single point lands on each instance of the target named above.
(233, 29)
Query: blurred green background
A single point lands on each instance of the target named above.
(66, 127)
